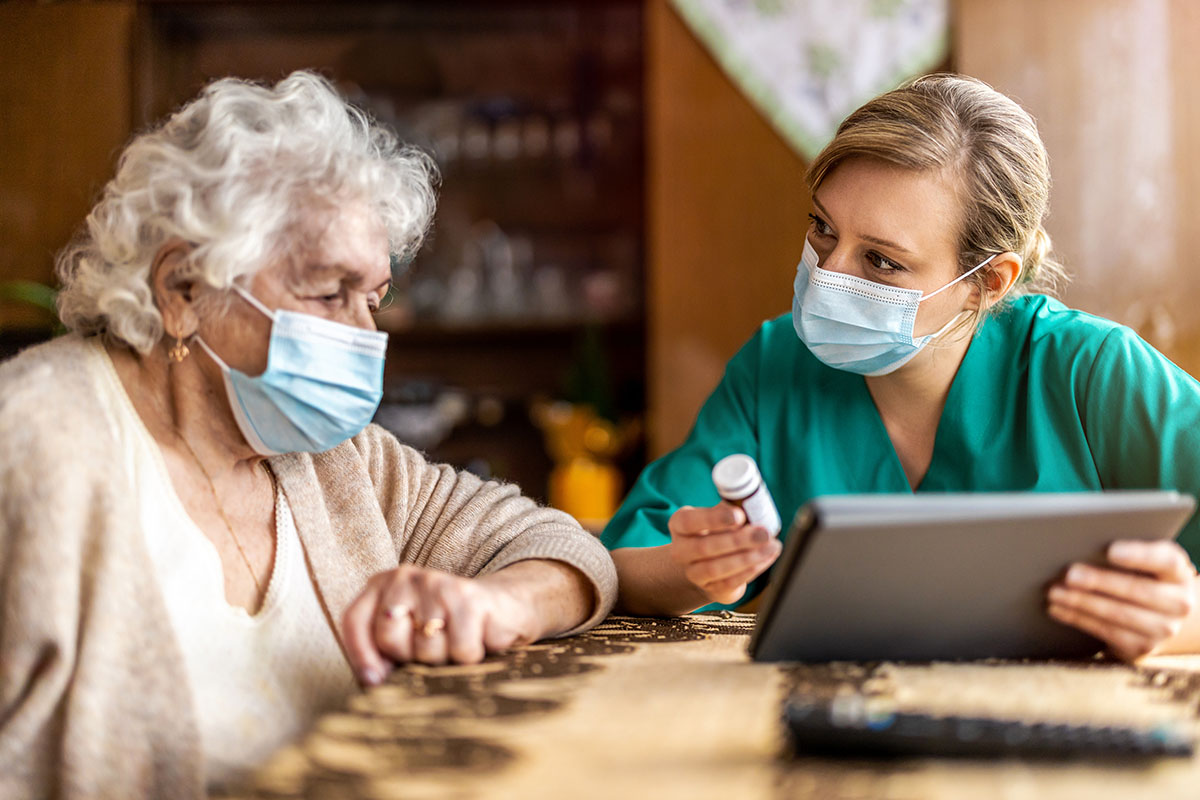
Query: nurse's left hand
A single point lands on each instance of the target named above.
(1134, 605)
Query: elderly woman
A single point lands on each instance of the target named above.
(922, 355)
(204, 543)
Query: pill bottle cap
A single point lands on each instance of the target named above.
(735, 476)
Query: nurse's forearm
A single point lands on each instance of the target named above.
(652, 584)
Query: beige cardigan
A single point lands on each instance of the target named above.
(93, 694)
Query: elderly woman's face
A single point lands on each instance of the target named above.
(892, 226)
(338, 268)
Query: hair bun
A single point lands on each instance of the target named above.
(1037, 252)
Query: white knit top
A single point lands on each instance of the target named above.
(258, 681)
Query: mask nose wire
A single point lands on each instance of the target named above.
(816, 260)
(966, 274)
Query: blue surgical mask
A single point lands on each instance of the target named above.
(322, 384)
(857, 325)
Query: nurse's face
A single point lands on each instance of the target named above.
(893, 226)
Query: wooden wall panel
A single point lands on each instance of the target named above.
(726, 210)
(1113, 85)
(1184, 67)
(64, 95)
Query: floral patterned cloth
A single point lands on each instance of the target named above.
(806, 64)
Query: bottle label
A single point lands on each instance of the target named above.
(760, 510)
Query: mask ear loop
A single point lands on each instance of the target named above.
(966, 274)
(937, 335)
(211, 354)
(254, 301)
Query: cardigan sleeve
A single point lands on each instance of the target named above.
(455, 521)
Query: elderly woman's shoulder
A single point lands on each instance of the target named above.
(50, 385)
(379, 448)
(57, 361)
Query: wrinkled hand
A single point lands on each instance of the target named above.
(1133, 606)
(718, 551)
(417, 614)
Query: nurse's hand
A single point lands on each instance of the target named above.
(718, 552)
(1137, 604)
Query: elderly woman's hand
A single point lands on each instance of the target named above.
(1135, 606)
(418, 614)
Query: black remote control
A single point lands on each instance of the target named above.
(846, 725)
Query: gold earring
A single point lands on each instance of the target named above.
(179, 351)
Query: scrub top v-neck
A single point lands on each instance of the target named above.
(1047, 399)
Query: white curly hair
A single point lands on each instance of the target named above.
(231, 173)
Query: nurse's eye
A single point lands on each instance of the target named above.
(883, 263)
(820, 226)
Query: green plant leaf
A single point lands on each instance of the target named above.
(33, 293)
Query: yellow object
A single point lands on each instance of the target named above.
(586, 487)
(584, 482)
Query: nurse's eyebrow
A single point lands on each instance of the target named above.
(872, 239)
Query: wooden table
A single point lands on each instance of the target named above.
(673, 708)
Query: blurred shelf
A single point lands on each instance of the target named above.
(517, 363)
(579, 203)
(435, 332)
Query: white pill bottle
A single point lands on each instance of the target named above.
(739, 482)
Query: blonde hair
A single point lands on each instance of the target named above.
(990, 147)
(232, 173)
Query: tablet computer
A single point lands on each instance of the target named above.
(953, 576)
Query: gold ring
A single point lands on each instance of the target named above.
(432, 626)
(396, 611)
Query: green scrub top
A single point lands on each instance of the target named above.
(1047, 399)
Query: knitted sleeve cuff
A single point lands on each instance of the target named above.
(570, 545)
